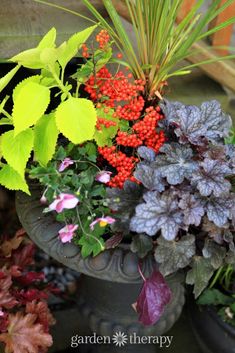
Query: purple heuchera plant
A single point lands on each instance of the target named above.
(185, 197)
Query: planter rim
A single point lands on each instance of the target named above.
(118, 264)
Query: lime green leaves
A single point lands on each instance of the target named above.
(104, 135)
(30, 104)
(16, 149)
(70, 48)
(31, 58)
(7, 78)
(12, 180)
(46, 134)
(46, 54)
(35, 130)
(76, 119)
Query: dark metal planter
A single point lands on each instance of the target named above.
(212, 333)
(110, 282)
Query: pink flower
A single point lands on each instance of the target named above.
(66, 234)
(67, 201)
(1, 312)
(65, 164)
(103, 176)
(103, 221)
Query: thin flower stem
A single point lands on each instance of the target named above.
(88, 234)
(141, 273)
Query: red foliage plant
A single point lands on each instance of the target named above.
(24, 315)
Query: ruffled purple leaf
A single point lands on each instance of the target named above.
(159, 212)
(210, 179)
(146, 153)
(197, 125)
(154, 296)
(175, 163)
(193, 209)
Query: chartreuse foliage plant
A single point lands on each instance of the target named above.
(34, 127)
(162, 42)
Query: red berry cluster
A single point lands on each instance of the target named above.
(121, 162)
(102, 38)
(108, 91)
(113, 89)
(106, 123)
(131, 110)
(128, 140)
(85, 53)
(146, 129)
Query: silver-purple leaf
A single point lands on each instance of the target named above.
(154, 296)
(149, 177)
(210, 179)
(197, 125)
(159, 212)
(193, 209)
(175, 163)
(219, 210)
(146, 153)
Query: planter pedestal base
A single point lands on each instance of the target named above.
(110, 283)
(105, 309)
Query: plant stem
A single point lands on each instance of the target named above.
(88, 234)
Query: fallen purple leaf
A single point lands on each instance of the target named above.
(154, 296)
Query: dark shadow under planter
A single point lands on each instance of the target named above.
(110, 282)
(212, 333)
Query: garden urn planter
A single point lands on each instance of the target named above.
(110, 282)
(212, 333)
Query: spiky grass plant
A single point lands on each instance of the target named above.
(162, 41)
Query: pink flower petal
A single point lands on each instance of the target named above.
(107, 219)
(103, 176)
(54, 204)
(69, 201)
(64, 201)
(66, 233)
(65, 164)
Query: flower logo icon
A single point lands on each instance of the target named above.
(120, 339)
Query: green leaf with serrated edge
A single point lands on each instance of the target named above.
(100, 59)
(46, 134)
(200, 274)
(76, 119)
(30, 104)
(104, 136)
(91, 245)
(214, 297)
(141, 244)
(16, 149)
(73, 45)
(29, 58)
(48, 41)
(13, 180)
(174, 255)
(7, 78)
(20, 85)
(49, 57)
